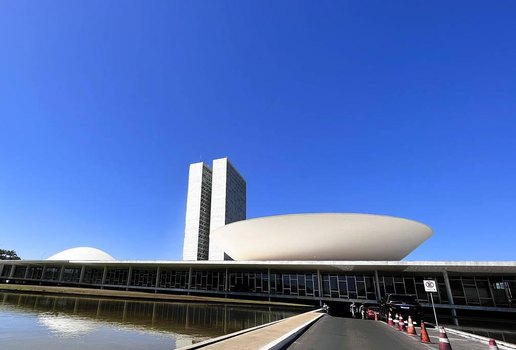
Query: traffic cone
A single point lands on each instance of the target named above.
(444, 343)
(492, 344)
(424, 334)
(389, 321)
(396, 320)
(401, 324)
(411, 330)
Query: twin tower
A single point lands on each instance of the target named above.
(216, 197)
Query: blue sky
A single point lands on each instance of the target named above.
(405, 108)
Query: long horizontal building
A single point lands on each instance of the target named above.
(308, 258)
(335, 258)
(463, 287)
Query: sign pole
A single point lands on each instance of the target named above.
(433, 307)
(431, 287)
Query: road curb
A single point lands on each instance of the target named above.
(290, 336)
(501, 344)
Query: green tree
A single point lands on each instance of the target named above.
(8, 255)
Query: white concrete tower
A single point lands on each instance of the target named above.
(228, 200)
(197, 223)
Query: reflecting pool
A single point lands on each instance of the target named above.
(44, 322)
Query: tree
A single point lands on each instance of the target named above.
(8, 255)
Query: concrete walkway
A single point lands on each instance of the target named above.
(264, 337)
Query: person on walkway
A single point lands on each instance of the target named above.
(326, 308)
(353, 309)
(361, 309)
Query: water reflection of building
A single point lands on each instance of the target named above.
(188, 322)
(66, 326)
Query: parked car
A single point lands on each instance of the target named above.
(401, 304)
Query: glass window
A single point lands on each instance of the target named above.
(301, 281)
(286, 281)
(370, 284)
(361, 291)
(93, 275)
(459, 301)
(420, 292)
(410, 285)
(117, 277)
(456, 288)
(443, 294)
(6, 271)
(143, 277)
(389, 285)
(343, 288)
(326, 285)
(19, 271)
(309, 286)
(400, 288)
(483, 289)
(471, 295)
(71, 274)
(351, 284)
(316, 284)
(293, 284)
(52, 273)
(334, 283)
(371, 296)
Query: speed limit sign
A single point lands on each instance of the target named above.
(430, 286)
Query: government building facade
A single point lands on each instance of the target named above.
(333, 258)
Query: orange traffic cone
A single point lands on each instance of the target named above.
(444, 343)
(492, 345)
(389, 321)
(396, 320)
(411, 330)
(424, 334)
(401, 324)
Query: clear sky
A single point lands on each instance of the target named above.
(405, 108)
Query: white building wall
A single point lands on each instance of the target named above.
(196, 239)
(228, 200)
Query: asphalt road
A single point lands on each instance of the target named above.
(345, 333)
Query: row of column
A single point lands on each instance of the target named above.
(226, 281)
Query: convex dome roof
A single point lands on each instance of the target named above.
(82, 253)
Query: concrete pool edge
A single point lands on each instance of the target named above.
(287, 330)
(120, 294)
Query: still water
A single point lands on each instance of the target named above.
(48, 322)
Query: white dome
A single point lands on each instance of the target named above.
(321, 236)
(82, 253)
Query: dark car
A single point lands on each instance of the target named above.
(401, 304)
